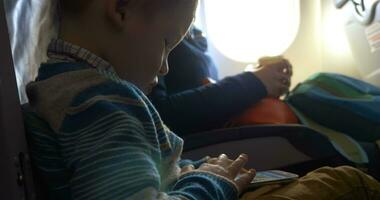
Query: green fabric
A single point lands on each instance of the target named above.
(343, 143)
(340, 103)
(334, 87)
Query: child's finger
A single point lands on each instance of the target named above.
(238, 164)
(223, 156)
(223, 161)
(212, 160)
(245, 179)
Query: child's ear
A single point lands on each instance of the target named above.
(117, 12)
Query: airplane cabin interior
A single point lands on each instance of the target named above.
(330, 115)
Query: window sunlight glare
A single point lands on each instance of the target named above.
(245, 30)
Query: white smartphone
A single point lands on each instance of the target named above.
(272, 177)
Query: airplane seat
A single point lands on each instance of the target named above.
(16, 180)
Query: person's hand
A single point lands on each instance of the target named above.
(275, 73)
(230, 169)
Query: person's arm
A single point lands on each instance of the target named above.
(209, 106)
(113, 156)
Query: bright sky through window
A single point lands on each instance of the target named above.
(245, 30)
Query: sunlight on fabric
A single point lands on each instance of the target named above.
(245, 30)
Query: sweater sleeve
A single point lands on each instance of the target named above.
(210, 106)
(112, 154)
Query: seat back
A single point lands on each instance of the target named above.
(34, 125)
(16, 181)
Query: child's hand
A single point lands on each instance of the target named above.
(275, 73)
(230, 169)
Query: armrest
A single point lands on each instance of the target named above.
(268, 146)
(301, 137)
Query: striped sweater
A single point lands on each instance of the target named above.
(95, 136)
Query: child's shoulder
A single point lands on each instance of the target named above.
(63, 89)
(80, 76)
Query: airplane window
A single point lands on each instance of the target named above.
(244, 30)
(198, 17)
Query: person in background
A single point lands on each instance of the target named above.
(183, 92)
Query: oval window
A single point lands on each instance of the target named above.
(244, 30)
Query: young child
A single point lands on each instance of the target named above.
(105, 139)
